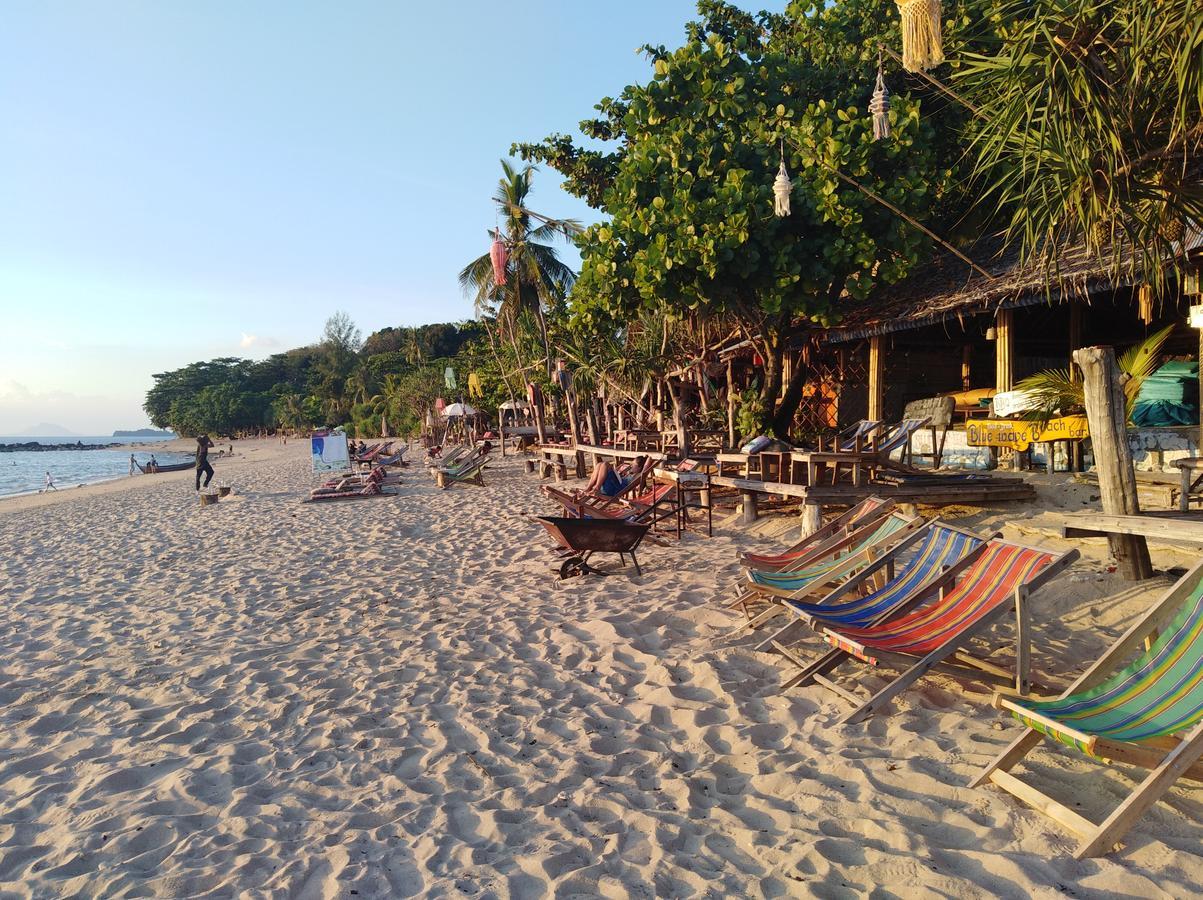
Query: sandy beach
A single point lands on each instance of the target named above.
(395, 697)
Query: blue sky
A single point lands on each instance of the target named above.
(181, 181)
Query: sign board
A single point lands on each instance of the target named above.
(938, 409)
(329, 452)
(1196, 317)
(1021, 435)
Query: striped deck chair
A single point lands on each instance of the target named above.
(659, 504)
(854, 437)
(1140, 704)
(471, 472)
(371, 489)
(868, 510)
(933, 636)
(941, 552)
(842, 558)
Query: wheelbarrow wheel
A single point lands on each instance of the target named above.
(572, 567)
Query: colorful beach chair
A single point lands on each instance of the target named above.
(934, 635)
(866, 511)
(842, 558)
(939, 553)
(1140, 704)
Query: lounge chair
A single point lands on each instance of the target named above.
(371, 489)
(470, 473)
(933, 635)
(859, 463)
(661, 503)
(939, 553)
(1141, 704)
(840, 558)
(570, 500)
(868, 510)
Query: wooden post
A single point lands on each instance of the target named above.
(1106, 414)
(572, 427)
(501, 431)
(812, 518)
(1074, 448)
(876, 379)
(1004, 350)
(731, 395)
(750, 512)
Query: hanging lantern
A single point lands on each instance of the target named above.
(499, 257)
(922, 39)
(782, 188)
(1144, 302)
(879, 107)
(1190, 282)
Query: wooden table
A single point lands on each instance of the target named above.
(1191, 471)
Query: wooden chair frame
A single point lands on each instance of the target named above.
(1167, 759)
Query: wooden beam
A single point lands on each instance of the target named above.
(1107, 416)
(876, 378)
(731, 400)
(1004, 350)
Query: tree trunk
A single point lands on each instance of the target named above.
(783, 418)
(1106, 413)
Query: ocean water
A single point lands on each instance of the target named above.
(25, 471)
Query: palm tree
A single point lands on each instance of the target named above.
(413, 347)
(535, 276)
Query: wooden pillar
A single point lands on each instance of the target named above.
(731, 395)
(1004, 350)
(1074, 448)
(750, 512)
(1106, 413)
(572, 426)
(812, 518)
(877, 392)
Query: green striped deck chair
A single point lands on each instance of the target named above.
(1141, 704)
(854, 551)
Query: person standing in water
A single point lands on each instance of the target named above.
(202, 460)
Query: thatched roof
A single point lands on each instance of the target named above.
(947, 288)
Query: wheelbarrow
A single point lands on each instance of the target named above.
(579, 539)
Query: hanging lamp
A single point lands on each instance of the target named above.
(499, 256)
(879, 106)
(922, 37)
(782, 188)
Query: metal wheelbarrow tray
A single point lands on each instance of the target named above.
(581, 538)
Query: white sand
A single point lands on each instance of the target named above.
(394, 697)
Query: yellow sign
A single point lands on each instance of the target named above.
(1021, 435)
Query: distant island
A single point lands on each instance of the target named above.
(144, 433)
(46, 429)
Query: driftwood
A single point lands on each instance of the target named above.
(1107, 414)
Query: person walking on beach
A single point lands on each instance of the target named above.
(202, 460)
(133, 465)
(50, 485)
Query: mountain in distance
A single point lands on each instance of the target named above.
(47, 429)
(144, 433)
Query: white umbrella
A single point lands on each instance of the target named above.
(459, 409)
(515, 404)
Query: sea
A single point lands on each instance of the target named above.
(24, 471)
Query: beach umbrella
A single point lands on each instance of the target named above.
(922, 37)
(499, 256)
(514, 404)
(455, 410)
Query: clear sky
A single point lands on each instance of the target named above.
(181, 181)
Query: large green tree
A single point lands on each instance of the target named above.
(690, 205)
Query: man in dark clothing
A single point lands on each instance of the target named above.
(202, 460)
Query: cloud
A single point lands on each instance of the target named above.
(253, 340)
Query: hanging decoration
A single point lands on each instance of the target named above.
(922, 38)
(499, 256)
(879, 106)
(782, 188)
(475, 389)
(449, 379)
(1144, 301)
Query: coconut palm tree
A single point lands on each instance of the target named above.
(535, 276)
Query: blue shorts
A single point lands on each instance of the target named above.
(613, 485)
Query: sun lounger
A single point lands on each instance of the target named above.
(471, 473)
(934, 635)
(1141, 704)
(939, 553)
(842, 557)
(868, 510)
(857, 464)
(371, 489)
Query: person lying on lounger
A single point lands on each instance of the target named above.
(606, 481)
